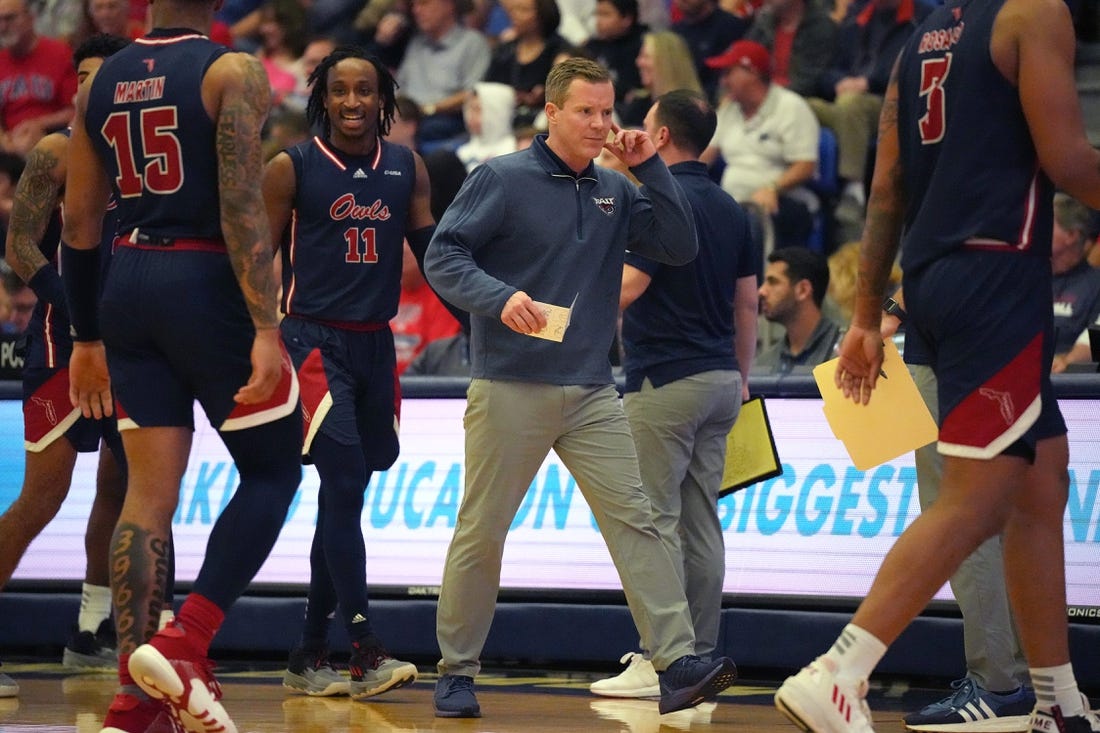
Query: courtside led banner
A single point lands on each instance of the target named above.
(819, 529)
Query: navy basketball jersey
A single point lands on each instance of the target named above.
(146, 119)
(343, 249)
(969, 181)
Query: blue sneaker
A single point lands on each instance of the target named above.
(971, 703)
(454, 697)
(689, 681)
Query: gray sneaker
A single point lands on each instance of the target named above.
(312, 673)
(86, 650)
(374, 671)
(8, 686)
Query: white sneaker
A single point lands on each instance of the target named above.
(816, 701)
(1053, 722)
(639, 679)
(642, 716)
(632, 716)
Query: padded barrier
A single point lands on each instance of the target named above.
(764, 642)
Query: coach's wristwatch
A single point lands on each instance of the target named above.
(894, 308)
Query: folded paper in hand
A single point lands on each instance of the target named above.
(557, 321)
(895, 421)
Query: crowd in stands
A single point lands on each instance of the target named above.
(786, 77)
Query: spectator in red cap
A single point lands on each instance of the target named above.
(749, 54)
(767, 137)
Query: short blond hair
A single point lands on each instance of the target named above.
(562, 75)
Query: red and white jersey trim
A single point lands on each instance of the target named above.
(999, 411)
(1008, 437)
(168, 41)
(49, 413)
(316, 397)
(283, 402)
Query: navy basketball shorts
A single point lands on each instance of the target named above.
(176, 329)
(349, 384)
(47, 412)
(984, 322)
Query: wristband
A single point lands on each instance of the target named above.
(46, 284)
(418, 243)
(80, 273)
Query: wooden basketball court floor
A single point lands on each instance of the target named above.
(53, 700)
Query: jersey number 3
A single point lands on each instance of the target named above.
(933, 73)
(155, 162)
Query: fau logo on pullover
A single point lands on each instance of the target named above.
(343, 263)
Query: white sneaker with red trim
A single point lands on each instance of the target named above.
(816, 701)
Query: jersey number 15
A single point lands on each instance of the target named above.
(158, 151)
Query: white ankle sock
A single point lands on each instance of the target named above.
(856, 652)
(1057, 686)
(166, 616)
(95, 606)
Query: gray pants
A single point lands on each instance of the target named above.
(510, 429)
(993, 656)
(854, 119)
(680, 434)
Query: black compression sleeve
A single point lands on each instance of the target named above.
(418, 243)
(80, 273)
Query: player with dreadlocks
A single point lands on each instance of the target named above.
(341, 206)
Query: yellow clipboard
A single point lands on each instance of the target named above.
(750, 449)
(895, 421)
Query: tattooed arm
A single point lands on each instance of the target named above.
(243, 97)
(36, 197)
(885, 216)
(237, 93)
(87, 189)
(861, 352)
